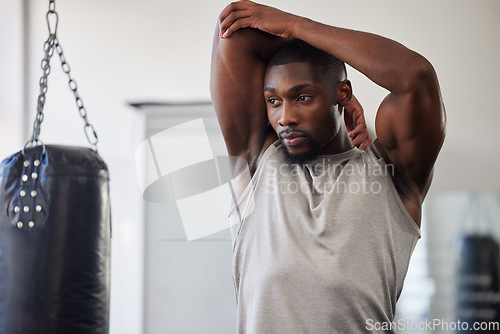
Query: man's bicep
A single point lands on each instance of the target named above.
(236, 88)
(410, 129)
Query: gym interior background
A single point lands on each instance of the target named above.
(132, 51)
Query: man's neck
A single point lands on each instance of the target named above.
(339, 143)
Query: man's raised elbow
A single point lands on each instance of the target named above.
(421, 73)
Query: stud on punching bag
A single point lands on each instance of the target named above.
(55, 228)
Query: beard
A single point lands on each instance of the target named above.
(304, 158)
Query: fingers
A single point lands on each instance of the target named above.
(359, 132)
(248, 14)
(354, 104)
(356, 125)
(354, 119)
(353, 114)
(233, 6)
(362, 141)
(360, 137)
(366, 144)
(235, 20)
(232, 13)
(358, 115)
(349, 123)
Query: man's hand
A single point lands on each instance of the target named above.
(248, 14)
(356, 124)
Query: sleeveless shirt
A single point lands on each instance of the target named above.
(319, 248)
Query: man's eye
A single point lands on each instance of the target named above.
(303, 98)
(272, 101)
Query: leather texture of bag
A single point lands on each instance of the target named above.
(55, 230)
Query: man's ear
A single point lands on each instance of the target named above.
(344, 93)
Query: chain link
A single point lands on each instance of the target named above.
(52, 43)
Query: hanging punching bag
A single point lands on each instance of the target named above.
(55, 228)
(479, 282)
(478, 273)
(54, 242)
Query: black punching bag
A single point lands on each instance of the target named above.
(478, 299)
(54, 242)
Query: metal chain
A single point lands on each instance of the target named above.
(88, 128)
(49, 51)
(52, 43)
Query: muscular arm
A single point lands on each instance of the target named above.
(410, 121)
(238, 66)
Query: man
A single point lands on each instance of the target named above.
(324, 230)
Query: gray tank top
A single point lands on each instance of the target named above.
(320, 248)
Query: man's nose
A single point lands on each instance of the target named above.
(288, 115)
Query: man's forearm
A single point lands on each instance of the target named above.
(386, 62)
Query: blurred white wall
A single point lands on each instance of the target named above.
(155, 50)
(11, 77)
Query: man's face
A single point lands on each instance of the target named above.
(302, 108)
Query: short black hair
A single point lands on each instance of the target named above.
(298, 51)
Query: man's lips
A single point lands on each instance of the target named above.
(293, 138)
